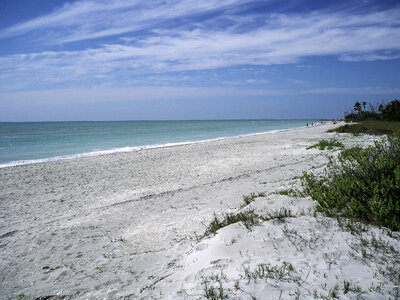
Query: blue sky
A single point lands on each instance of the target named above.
(189, 59)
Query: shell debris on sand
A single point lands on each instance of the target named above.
(127, 225)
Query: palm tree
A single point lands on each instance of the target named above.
(357, 107)
(364, 104)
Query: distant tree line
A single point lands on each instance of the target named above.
(389, 112)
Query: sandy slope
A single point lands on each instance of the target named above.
(123, 225)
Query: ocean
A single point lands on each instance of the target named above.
(36, 142)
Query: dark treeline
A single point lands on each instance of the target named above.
(388, 112)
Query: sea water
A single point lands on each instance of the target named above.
(35, 142)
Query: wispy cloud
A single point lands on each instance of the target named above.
(354, 91)
(369, 56)
(296, 81)
(89, 19)
(104, 94)
(165, 93)
(210, 37)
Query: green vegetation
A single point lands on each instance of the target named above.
(289, 192)
(387, 112)
(265, 271)
(384, 119)
(361, 184)
(327, 144)
(250, 198)
(349, 287)
(213, 287)
(370, 127)
(249, 218)
(279, 215)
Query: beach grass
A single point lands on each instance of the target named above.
(250, 198)
(214, 288)
(248, 217)
(267, 271)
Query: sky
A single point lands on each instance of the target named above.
(189, 59)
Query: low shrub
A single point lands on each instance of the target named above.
(327, 144)
(363, 184)
(289, 192)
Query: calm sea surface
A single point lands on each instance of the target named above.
(33, 142)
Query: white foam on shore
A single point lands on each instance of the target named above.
(137, 148)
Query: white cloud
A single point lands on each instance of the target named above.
(279, 39)
(90, 19)
(246, 82)
(368, 57)
(355, 91)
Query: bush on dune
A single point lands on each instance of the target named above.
(363, 184)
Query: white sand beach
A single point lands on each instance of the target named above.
(126, 226)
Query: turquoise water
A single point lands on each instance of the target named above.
(33, 142)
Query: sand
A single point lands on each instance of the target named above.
(127, 226)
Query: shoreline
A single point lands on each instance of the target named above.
(128, 149)
(126, 226)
